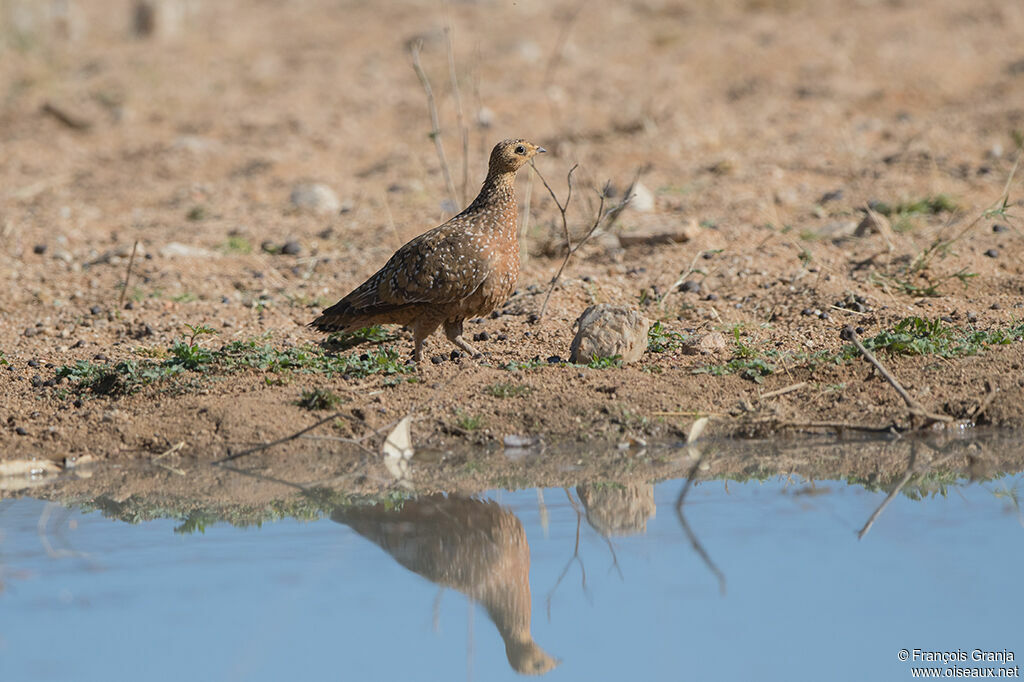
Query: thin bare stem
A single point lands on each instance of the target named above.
(127, 275)
(460, 116)
(570, 249)
(435, 133)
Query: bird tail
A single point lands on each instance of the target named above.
(340, 317)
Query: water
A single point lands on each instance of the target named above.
(357, 596)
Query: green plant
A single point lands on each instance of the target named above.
(319, 399)
(188, 353)
(598, 362)
(660, 339)
(535, 363)
(920, 336)
(468, 422)
(196, 213)
(504, 389)
(238, 244)
(346, 340)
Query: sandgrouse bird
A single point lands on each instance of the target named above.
(464, 268)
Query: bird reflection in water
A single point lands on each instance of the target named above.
(473, 546)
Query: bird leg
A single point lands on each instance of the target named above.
(453, 330)
(420, 331)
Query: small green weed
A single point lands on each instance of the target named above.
(919, 336)
(319, 399)
(346, 340)
(504, 389)
(239, 245)
(660, 339)
(598, 362)
(535, 363)
(196, 213)
(747, 361)
(468, 422)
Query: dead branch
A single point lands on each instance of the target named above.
(562, 208)
(435, 133)
(285, 439)
(848, 334)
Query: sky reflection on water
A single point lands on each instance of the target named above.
(359, 598)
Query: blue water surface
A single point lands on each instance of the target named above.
(88, 598)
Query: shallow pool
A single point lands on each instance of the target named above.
(598, 583)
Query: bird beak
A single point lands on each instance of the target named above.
(541, 150)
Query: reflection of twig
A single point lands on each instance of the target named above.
(574, 558)
(435, 133)
(888, 498)
(694, 542)
(285, 439)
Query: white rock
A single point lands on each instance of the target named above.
(643, 199)
(315, 198)
(179, 250)
(608, 330)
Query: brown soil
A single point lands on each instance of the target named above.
(768, 124)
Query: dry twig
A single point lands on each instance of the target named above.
(127, 275)
(460, 116)
(570, 249)
(435, 133)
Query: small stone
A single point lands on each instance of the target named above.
(532, 318)
(711, 343)
(823, 316)
(31, 331)
(21, 431)
(992, 253)
(39, 249)
(607, 330)
(807, 312)
(33, 363)
(100, 357)
(642, 199)
(972, 316)
(291, 248)
(129, 306)
(711, 297)
(554, 359)
(690, 286)
(95, 310)
(502, 337)
(997, 228)
(481, 336)
(859, 330)
(947, 319)
(834, 195)
(315, 198)
(78, 402)
(455, 355)
(995, 306)
(437, 359)
(36, 381)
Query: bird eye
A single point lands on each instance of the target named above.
(520, 149)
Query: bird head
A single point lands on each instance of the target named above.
(509, 155)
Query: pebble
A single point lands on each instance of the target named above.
(972, 316)
(834, 195)
(823, 316)
(129, 306)
(36, 380)
(554, 359)
(315, 198)
(31, 331)
(690, 285)
(995, 306)
(100, 357)
(78, 402)
(33, 363)
(39, 249)
(437, 359)
(992, 253)
(95, 310)
(481, 336)
(711, 297)
(502, 337)
(532, 318)
(21, 431)
(455, 355)
(997, 228)
(809, 312)
(291, 248)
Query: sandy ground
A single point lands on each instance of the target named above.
(761, 131)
